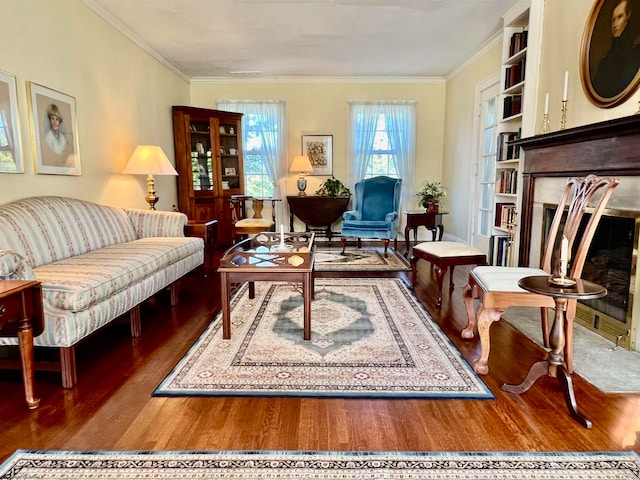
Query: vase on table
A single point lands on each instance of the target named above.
(431, 207)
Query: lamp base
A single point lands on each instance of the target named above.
(302, 185)
(151, 193)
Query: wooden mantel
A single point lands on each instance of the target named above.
(610, 148)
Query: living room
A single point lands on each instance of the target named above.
(123, 98)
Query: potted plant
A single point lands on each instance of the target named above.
(332, 187)
(430, 196)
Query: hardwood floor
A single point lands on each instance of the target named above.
(112, 407)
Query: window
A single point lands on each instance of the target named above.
(383, 139)
(263, 143)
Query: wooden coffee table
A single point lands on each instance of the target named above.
(263, 258)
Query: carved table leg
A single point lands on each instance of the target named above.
(25, 340)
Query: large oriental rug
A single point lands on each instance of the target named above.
(370, 338)
(359, 260)
(321, 465)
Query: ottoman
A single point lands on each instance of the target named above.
(443, 255)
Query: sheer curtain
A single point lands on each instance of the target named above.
(400, 118)
(272, 129)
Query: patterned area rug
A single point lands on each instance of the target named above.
(364, 259)
(321, 465)
(370, 338)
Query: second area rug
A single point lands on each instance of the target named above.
(370, 338)
(359, 260)
(281, 465)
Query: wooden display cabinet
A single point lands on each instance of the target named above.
(209, 160)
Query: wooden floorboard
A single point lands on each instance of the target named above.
(112, 408)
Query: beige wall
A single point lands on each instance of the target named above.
(564, 23)
(459, 150)
(321, 107)
(123, 98)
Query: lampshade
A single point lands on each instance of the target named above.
(301, 164)
(149, 160)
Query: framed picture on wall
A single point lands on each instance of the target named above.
(319, 149)
(54, 131)
(10, 147)
(610, 53)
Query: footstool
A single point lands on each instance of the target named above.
(443, 255)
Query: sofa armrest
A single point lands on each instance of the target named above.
(154, 223)
(14, 267)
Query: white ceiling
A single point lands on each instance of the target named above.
(308, 38)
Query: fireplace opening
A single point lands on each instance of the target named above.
(610, 262)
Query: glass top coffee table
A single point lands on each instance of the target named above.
(274, 256)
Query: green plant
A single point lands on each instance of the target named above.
(332, 187)
(431, 192)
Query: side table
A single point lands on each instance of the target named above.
(554, 365)
(317, 211)
(207, 230)
(21, 316)
(420, 218)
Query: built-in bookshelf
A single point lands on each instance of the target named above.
(515, 47)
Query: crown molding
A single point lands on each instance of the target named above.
(118, 25)
(319, 80)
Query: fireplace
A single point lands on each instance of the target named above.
(609, 262)
(610, 148)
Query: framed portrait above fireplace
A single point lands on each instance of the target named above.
(610, 53)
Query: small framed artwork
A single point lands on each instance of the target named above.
(610, 56)
(54, 131)
(230, 171)
(10, 146)
(319, 149)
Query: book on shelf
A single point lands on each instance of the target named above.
(499, 250)
(504, 214)
(505, 150)
(514, 74)
(518, 42)
(506, 181)
(512, 105)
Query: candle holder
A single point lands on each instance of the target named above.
(545, 128)
(563, 119)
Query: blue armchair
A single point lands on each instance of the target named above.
(377, 201)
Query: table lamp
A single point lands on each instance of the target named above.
(149, 160)
(302, 165)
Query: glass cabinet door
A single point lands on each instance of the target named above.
(201, 161)
(229, 156)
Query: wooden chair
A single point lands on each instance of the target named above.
(242, 225)
(497, 287)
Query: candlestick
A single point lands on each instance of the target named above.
(544, 128)
(281, 234)
(546, 104)
(566, 86)
(563, 118)
(564, 251)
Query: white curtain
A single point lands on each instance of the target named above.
(400, 117)
(272, 129)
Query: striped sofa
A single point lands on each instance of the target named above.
(95, 263)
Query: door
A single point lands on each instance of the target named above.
(485, 158)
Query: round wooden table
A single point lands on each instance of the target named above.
(554, 365)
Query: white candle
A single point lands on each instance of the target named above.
(546, 104)
(281, 234)
(566, 85)
(564, 251)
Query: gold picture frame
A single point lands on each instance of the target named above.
(54, 131)
(10, 146)
(609, 55)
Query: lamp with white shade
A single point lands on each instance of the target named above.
(302, 165)
(149, 160)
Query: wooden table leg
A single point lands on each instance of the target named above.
(226, 305)
(553, 366)
(25, 341)
(307, 291)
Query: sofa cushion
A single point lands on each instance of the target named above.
(81, 281)
(47, 229)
